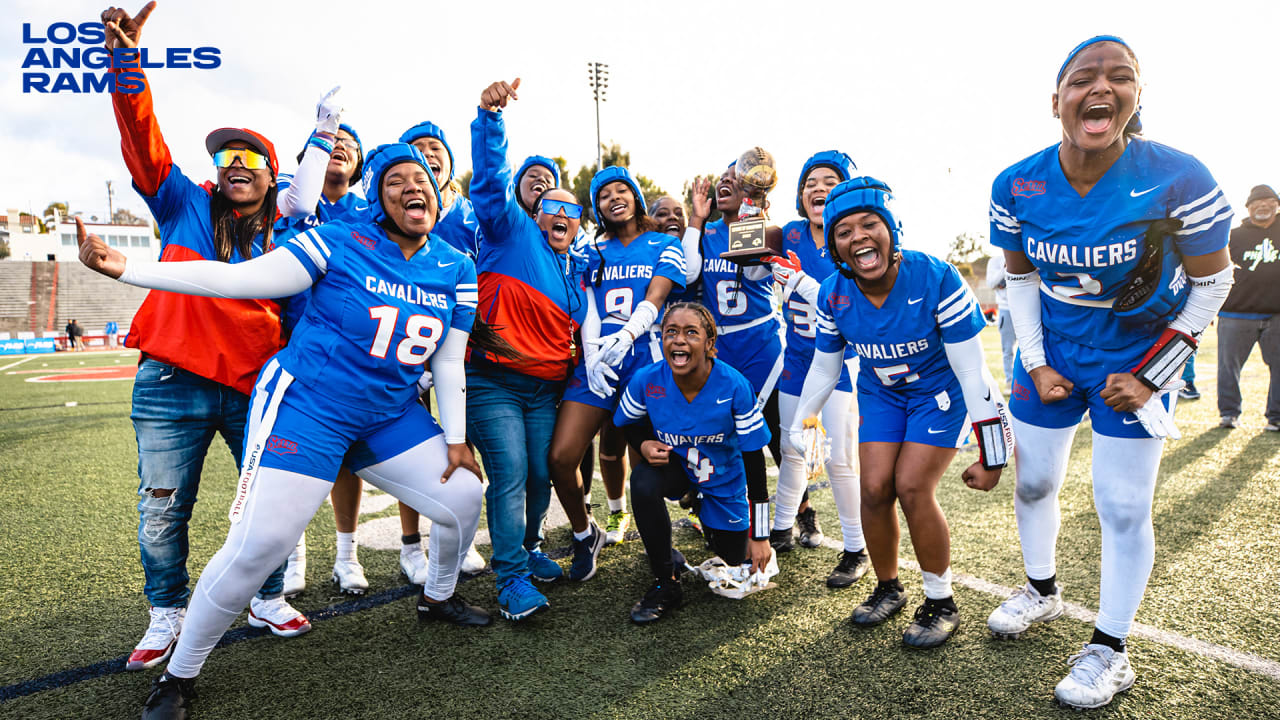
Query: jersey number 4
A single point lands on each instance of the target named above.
(700, 465)
(423, 333)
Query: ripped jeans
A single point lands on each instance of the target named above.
(175, 416)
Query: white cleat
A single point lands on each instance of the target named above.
(295, 572)
(1023, 608)
(157, 643)
(349, 576)
(1097, 674)
(736, 582)
(278, 616)
(413, 564)
(473, 563)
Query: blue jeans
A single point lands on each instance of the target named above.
(175, 416)
(510, 417)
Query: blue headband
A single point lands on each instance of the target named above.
(1091, 41)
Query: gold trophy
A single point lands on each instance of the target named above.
(748, 241)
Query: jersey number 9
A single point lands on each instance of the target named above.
(422, 331)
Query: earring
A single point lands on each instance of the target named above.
(1056, 116)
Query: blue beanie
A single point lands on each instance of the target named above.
(860, 194)
(842, 164)
(382, 159)
(610, 174)
(428, 129)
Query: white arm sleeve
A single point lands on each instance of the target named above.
(976, 383)
(824, 373)
(1204, 300)
(995, 272)
(1024, 309)
(807, 288)
(450, 376)
(591, 324)
(755, 273)
(273, 275)
(300, 197)
(692, 254)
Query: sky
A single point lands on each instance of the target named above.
(933, 98)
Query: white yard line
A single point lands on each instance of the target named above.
(15, 364)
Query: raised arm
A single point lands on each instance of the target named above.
(493, 194)
(300, 194)
(145, 152)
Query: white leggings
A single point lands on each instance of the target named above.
(278, 508)
(1124, 480)
(842, 469)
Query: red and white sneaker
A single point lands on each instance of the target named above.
(277, 615)
(157, 644)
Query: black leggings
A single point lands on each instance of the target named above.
(650, 487)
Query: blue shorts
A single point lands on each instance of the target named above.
(304, 432)
(752, 352)
(937, 419)
(795, 366)
(1087, 368)
(731, 513)
(641, 356)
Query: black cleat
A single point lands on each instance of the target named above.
(852, 566)
(934, 624)
(810, 531)
(170, 698)
(887, 599)
(455, 610)
(781, 540)
(660, 600)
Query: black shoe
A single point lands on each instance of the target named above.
(810, 532)
(1189, 392)
(887, 599)
(660, 600)
(170, 698)
(454, 610)
(934, 624)
(781, 540)
(852, 566)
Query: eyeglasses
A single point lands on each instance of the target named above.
(573, 211)
(346, 142)
(248, 158)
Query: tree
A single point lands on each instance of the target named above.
(4, 249)
(124, 217)
(964, 250)
(612, 156)
(63, 210)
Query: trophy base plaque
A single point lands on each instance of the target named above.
(748, 242)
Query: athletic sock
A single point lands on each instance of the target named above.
(1046, 587)
(582, 535)
(346, 546)
(617, 505)
(414, 539)
(1101, 638)
(937, 587)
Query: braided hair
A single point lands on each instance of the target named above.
(704, 315)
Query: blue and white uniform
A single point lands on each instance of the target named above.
(708, 434)
(748, 327)
(1085, 249)
(618, 276)
(800, 315)
(459, 228)
(907, 390)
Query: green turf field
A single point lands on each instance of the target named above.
(70, 596)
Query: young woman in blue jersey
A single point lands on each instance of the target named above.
(914, 324)
(386, 299)
(530, 290)
(695, 423)
(630, 270)
(1071, 221)
(803, 265)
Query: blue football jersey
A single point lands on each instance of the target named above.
(619, 274)
(899, 345)
(350, 207)
(1085, 248)
(374, 318)
(710, 433)
(459, 228)
(731, 298)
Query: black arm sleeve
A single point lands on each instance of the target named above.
(757, 482)
(637, 432)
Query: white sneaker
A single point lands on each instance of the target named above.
(277, 615)
(1097, 674)
(157, 644)
(1024, 607)
(736, 582)
(349, 575)
(473, 563)
(413, 563)
(295, 572)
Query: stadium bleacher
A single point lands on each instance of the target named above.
(94, 300)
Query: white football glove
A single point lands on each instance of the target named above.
(1155, 419)
(329, 112)
(737, 581)
(613, 349)
(425, 382)
(599, 376)
(797, 440)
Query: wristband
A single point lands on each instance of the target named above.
(994, 439)
(1165, 360)
(316, 140)
(760, 521)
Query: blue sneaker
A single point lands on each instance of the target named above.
(543, 568)
(518, 598)
(585, 552)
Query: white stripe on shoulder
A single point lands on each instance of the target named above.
(319, 241)
(1191, 219)
(1183, 210)
(1003, 219)
(313, 253)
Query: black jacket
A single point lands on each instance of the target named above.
(1255, 252)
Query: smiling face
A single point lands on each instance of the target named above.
(813, 196)
(1263, 211)
(437, 156)
(345, 156)
(728, 194)
(669, 214)
(408, 199)
(536, 180)
(560, 228)
(616, 203)
(863, 241)
(1098, 94)
(687, 342)
(244, 188)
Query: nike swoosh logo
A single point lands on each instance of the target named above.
(936, 432)
(1127, 421)
(723, 400)
(445, 265)
(988, 397)
(1135, 193)
(913, 302)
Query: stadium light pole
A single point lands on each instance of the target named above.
(598, 76)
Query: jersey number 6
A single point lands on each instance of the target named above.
(423, 333)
